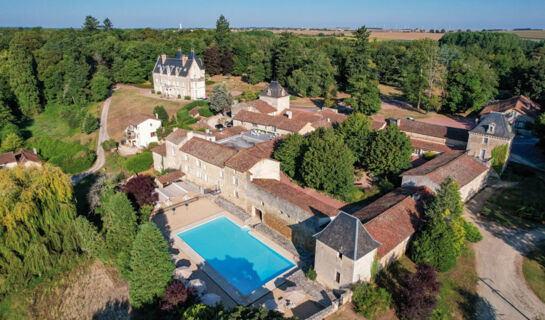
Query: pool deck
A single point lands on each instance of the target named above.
(234, 293)
(171, 223)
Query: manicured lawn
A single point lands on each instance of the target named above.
(129, 101)
(533, 268)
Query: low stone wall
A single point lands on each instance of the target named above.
(346, 297)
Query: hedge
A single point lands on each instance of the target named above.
(70, 157)
(205, 112)
(140, 162)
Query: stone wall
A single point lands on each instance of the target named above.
(395, 253)
(476, 144)
(472, 188)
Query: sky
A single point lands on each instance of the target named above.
(395, 14)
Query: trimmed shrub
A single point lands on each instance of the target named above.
(205, 111)
(108, 145)
(179, 96)
(140, 162)
(370, 300)
(153, 91)
(311, 274)
(209, 82)
(187, 98)
(158, 92)
(472, 232)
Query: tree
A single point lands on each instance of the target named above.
(356, 135)
(226, 62)
(470, 84)
(364, 95)
(37, 234)
(119, 225)
(299, 82)
(328, 163)
(151, 266)
(100, 84)
(22, 76)
(89, 124)
(161, 114)
(6, 117)
(370, 300)
(108, 25)
(540, 129)
(212, 60)
(358, 61)
(176, 298)
(389, 153)
(256, 70)
(12, 142)
(90, 24)
(286, 57)
(141, 190)
(419, 293)
(220, 98)
(290, 153)
(222, 33)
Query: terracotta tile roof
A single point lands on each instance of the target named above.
(433, 130)
(394, 217)
(138, 118)
(160, 149)
(194, 112)
(229, 132)
(7, 157)
(170, 177)
(280, 122)
(177, 136)
(430, 146)
(520, 103)
(333, 116)
(456, 164)
(243, 161)
(23, 156)
(377, 125)
(293, 195)
(207, 151)
(264, 149)
(261, 106)
(303, 115)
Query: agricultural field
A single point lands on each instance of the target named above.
(375, 34)
(538, 35)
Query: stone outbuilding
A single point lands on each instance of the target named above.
(491, 131)
(520, 111)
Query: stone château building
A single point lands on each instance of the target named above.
(181, 76)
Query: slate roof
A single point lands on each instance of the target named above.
(433, 130)
(520, 103)
(160, 149)
(177, 136)
(177, 67)
(7, 157)
(210, 152)
(280, 122)
(23, 156)
(502, 128)
(170, 177)
(290, 193)
(275, 90)
(455, 164)
(346, 234)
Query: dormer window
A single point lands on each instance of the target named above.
(491, 128)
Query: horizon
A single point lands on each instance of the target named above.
(169, 14)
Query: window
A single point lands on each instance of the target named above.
(186, 157)
(483, 153)
(221, 173)
(204, 167)
(198, 163)
(235, 193)
(152, 134)
(339, 255)
(254, 124)
(338, 277)
(206, 178)
(235, 181)
(199, 175)
(485, 141)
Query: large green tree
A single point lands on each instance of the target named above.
(290, 153)
(470, 84)
(356, 135)
(151, 266)
(222, 34)
(220, 98)
(90, 24)
(364, 95)
(389, 152)
(328, 164)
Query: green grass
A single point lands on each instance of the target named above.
(519, 206)
(114, 163)
(533, 268)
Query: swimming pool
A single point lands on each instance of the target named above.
(240, 258)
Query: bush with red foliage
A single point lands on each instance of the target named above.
(418, 295)
(177, 298)
(141, 190)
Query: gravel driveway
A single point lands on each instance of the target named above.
(502, 289)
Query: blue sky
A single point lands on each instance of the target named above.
(454, 14)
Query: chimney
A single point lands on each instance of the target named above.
(289, 114)
(163, 58)
(184, 60)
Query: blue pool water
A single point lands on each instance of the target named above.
(241, 259)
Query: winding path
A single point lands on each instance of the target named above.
(502, 289)
(102, 136)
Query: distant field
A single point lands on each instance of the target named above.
(379, 35)
(529, 34)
